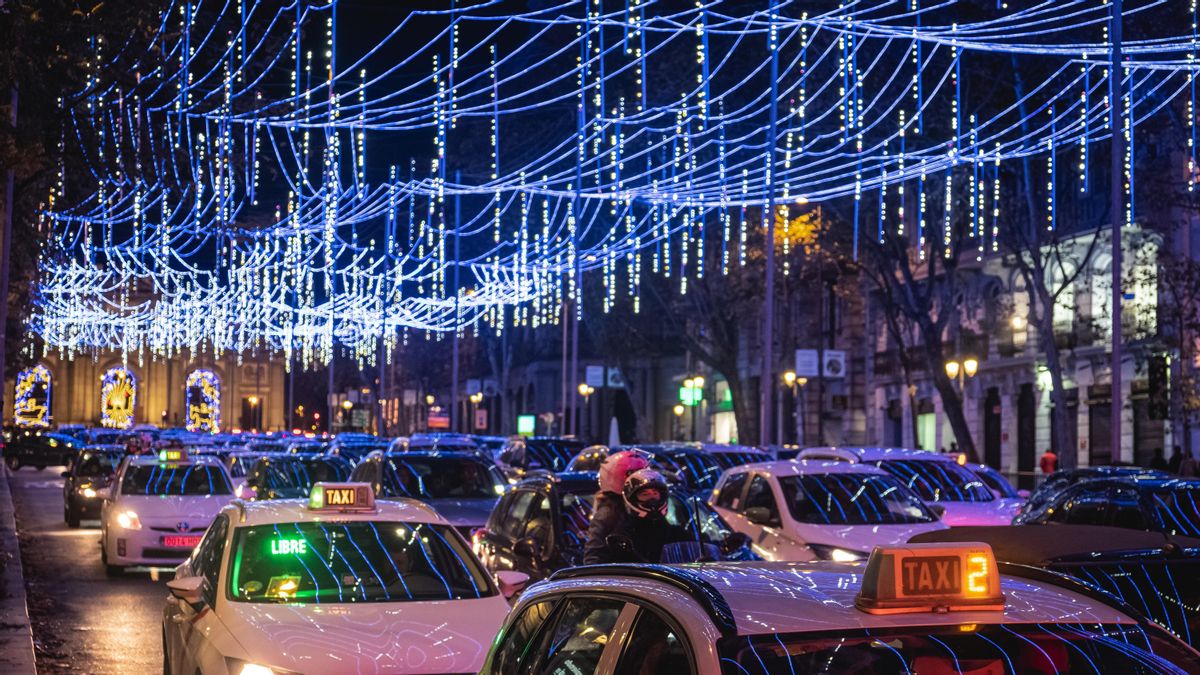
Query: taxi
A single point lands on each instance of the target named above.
(158, 508)
(820, 510)
(337, 583)
(918, 608)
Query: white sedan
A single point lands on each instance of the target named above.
(337, 583)
(820, 510)
(159, 507)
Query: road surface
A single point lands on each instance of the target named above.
(83, 621)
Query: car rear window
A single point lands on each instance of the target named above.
(1178, 509)
(438, 478)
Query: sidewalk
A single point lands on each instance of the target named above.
(16, 636)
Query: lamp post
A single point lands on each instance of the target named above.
(346, 406)
(960, 371)
(430, 399)
(475, 399)
(253, 401)
(678, 410)
(796, 384)
(586, 391)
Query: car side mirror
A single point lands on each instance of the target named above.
(511, 582)
(188, 589)
(759, 515)
(938, 510)
(528, 548)
(1023, 494)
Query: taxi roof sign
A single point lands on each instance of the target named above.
(341, 497)
(173, 455)
(931, 578)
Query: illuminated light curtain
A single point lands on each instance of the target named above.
(118, 396)
(203, 401)
(332, 262)
(31, 405)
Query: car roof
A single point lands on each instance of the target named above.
(1043, 544)
(567, 481)
(1136, 480)
(153, 460)
(764, 598)
(800, 467)
(864, 454)
(296, 510)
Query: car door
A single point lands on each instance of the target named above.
(509, 554)
(1086, 504)
(190, 647)
(765, 526)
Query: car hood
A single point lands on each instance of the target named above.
(151, 509)
(418, 637)
(995, 512)
(464, 512)
(864, 538)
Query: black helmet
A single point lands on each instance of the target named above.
(646, 492)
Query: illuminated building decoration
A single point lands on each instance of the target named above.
(118, 395)
(203, 401)
(31, 405)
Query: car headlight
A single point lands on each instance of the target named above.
(87, 491)
(837, 554)
(240, 667)
(129, 520)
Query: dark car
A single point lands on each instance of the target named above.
(460, 486)
(40, 449)
(355, 451)
(1167, 505)
(1157, 574)
(541, 525)
(537, 453)
(284, 476)
(1058, 481)
(87, 481)
(691, 466)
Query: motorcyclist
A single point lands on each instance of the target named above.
(632, 526)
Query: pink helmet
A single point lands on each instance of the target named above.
(617, 468)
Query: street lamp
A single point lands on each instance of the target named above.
(678, 410)
(586, 391)
(791, 381)
(475, 400)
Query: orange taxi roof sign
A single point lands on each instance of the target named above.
(341, 497)
(931, 578)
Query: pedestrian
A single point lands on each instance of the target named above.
(1188, 467)
(1049, 462)
(1158, 461)
(953, 448)
(1176, 459)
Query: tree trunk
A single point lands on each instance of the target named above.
(952, 404)
(745, 406)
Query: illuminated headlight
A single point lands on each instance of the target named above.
(237, 491)
(837, 554)
(500, 489)
(88, 492)
(129, 520)
(240, 667)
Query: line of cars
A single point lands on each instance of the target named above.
(283, 585)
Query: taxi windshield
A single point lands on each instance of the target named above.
(437, 478)
(851, 499)
(967, 648)
(175, 479)
(356, 561)
(938, 481)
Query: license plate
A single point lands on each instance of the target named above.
(177, 541)
(935, 575)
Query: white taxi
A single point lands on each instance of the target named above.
(939, 480)
(820, 510)
(338, 583)
(158, 508)
(921, 608)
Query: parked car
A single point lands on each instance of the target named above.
(1158, 574)
(87, 480)
(460, 486)
(521, 455)
(937, 479)
(285, 476)
(820, 510)
(40, 449)
(1168, 505)
(541, 524)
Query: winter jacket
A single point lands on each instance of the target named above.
(648, 534)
